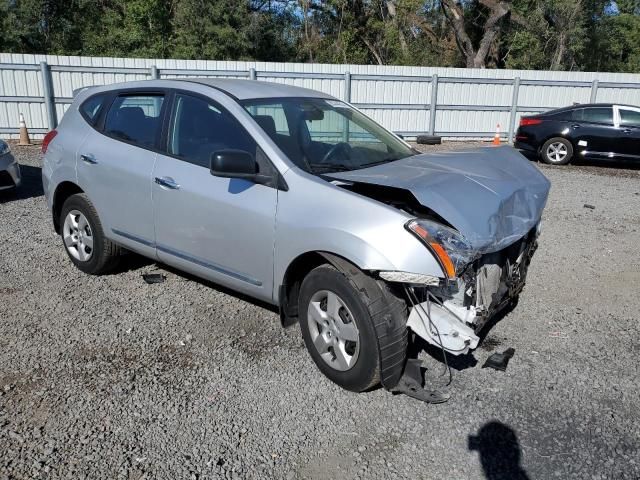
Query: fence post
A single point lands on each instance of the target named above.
(155, 74)
(432, 104)
(347, 87)
(252, 74)
(594, 91)
(514, 108)
(47, 93)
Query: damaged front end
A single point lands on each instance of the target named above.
(451, 314)
(478, 212)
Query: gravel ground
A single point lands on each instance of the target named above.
(108, 377)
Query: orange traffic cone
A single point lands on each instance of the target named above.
(24, 133)
(496, 138)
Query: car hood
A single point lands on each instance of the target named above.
(492, 195)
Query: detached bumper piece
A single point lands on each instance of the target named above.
(499, 361)
(411, 384)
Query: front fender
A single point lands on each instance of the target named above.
(317, 216)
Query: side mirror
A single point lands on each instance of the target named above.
(233, 164)
(239, 164)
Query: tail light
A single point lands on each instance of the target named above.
(525, 122)
(47, 140)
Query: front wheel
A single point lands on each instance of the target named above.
(557, 151)
(350, 328)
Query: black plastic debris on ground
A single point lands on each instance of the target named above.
(411, 384)
(499, 361)
(153, 278)
(589, 206)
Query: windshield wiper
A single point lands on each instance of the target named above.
(329, 167)
(379, 162)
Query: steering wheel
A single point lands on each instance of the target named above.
(341, 147)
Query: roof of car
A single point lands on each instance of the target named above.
(584, 105)
(252, 89)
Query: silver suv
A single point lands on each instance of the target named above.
(295, 198)
(9, 169)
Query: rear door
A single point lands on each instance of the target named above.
(594, 133)
(115, 165)
(629, 121)
(217, 228)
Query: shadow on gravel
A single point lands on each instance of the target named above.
(499, 451)
(31, 185)
(132, 261)
(219, 288)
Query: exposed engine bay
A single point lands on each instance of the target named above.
(452, 314)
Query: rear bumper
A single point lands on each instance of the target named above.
(522, 144)
(9, 172)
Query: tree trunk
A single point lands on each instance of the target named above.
(373, 51)
(393, 14)
(476, 57)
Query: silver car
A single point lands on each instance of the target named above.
(9, 168)
(298, 199)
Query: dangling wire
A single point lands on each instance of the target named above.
(413, 299)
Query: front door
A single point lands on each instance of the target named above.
(218, 228)
(115, 165)
(629, 120)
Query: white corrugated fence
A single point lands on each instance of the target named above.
(451, 102)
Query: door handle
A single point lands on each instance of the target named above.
(575, 126)
(88, 158)
(167, 182)
(627, 130)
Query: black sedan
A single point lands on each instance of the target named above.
(596, 131)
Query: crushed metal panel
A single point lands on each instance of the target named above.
(492, 196)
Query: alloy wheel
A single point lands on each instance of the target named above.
(333, 330)
(557, 152)
(77, 236)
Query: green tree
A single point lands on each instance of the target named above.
(133, 28)
(215, 29)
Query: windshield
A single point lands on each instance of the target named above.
(323, 135)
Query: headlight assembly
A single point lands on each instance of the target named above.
(449, 247)
(4, 147)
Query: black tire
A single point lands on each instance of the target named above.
(545, 156)
(429, 140)
(380, 318)
(105, 255)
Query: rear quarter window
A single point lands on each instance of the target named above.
(601, 115)
(91, 107)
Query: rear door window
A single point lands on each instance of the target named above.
(200, 128)
(629, 118)
(601, 115)
(135, 119)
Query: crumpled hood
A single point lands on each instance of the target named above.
(491, 195)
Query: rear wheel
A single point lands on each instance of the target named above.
(83, 237)
(557, 151)
(351, 327)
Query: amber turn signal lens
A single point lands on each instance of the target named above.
(437, 249)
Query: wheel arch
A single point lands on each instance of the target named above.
(294, 274)
(63, 191)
